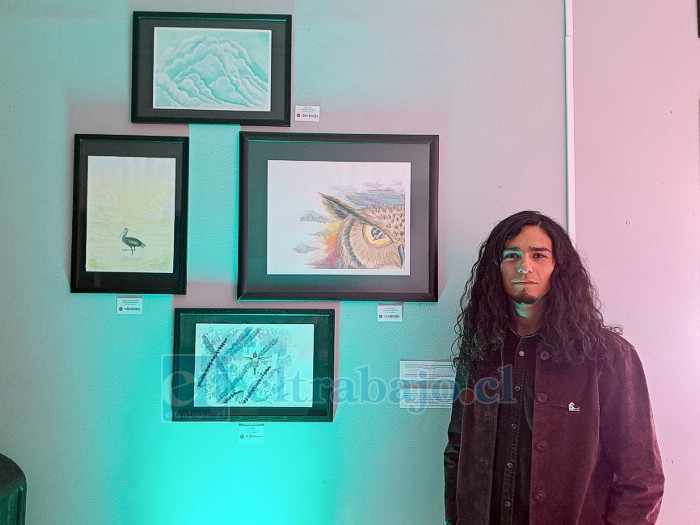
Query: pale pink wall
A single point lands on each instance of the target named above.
(637, 86)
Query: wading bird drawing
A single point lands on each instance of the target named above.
(131, 242)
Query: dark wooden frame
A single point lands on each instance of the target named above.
(144, 282)
(257, 148)
(142, 106)
(226, 352)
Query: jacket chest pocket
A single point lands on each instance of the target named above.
(567, 390)
(572, 405)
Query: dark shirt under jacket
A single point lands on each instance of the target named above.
(510, 493)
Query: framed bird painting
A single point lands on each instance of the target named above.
(129, 214)
(338, 217)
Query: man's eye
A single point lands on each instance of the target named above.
(510, 255)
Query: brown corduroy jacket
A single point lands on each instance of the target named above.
(595, 458)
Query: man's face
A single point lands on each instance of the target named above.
(527, 264)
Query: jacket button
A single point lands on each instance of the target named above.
(541, 398)
(541, 446)
(539, 496)
(544, 355)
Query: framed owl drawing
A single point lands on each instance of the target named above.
(338, 217)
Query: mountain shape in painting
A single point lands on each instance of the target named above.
(210, 72)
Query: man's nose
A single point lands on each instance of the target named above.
(525, 266)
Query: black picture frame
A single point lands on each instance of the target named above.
(136, 185)
(211, 68)
(314, 161)
(251, 364)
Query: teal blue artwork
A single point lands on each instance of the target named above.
(253, 365)
(212, 69)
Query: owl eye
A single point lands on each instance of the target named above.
(374, 236)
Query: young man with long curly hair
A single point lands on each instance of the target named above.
(551, 421)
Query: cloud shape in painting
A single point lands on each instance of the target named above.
(211, 73)
(312, 216)
(304, 248)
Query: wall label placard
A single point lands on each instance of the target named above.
(426, 384)
(307, 113)
(390, 313)
(129, 305)
(251, 434)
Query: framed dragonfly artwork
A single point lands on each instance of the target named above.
(253, 364)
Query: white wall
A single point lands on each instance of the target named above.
(637, 86)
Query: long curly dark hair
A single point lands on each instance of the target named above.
(572, 326)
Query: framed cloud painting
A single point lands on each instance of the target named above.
(331, 216)
(129, 214)
(253, 364)
(211, 68)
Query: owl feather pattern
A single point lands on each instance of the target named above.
(368, 238)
